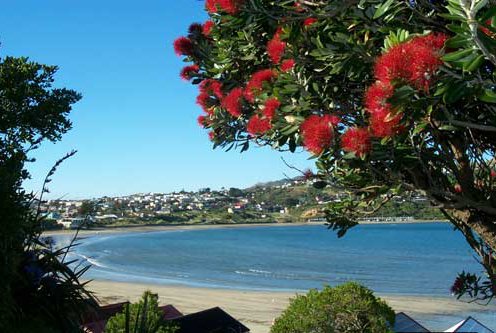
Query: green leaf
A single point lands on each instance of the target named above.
(474, 64)
(488, 96)
(453, 56)
(382, 9)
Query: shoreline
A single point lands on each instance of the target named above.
(156, 228)
(257, 309)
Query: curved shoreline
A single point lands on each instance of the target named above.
(154, 228)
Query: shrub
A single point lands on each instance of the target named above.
(346, 308)
(144, 317)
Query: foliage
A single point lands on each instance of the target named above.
(142, 317)
(346, 308)
(39, 292)
(387, 96)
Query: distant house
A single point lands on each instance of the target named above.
(469, 325)
(404, 323)
(208, 321)
(72, 223)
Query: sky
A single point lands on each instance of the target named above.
(135, 129)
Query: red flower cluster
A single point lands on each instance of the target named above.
(233, 102)
(212, 87)
(317, 133)
(413, 62)
(287, 65)
(309, 21)
(276, 48)
(255, 85)
(207, 28)
(209, 88)
(201, 120)
(228, 6)
(385, 123)
(183, 46)
(188, 71)
(356, 140)
(270, 107)
(257, 125)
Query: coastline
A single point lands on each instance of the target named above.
(155, 228)
(257, 309)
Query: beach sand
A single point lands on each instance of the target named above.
(257, 309)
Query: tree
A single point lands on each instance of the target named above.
(38, 291)
(87, 208)
(387, 96)
(235, 192)
(347, 308)
(144, 316)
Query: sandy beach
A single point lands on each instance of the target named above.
(257, 309)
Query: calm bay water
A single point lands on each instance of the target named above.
(414, 259)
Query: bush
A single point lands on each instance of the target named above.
(346, 308)
(144, 317)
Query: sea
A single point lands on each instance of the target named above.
(420, 259)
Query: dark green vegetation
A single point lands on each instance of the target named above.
(39, 292)
(348, 308)
(142, 317)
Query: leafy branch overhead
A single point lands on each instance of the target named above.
(386, 96)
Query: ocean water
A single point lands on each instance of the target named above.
(413, 259)
(401, 259)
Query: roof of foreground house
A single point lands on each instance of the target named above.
(214, 320)
(405, 323)
(469, 325)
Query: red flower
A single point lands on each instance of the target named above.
(255, 85)
(271, 105)
(212, 87)
(385, 123)
(207, 28)
(232, 102)
(309, 21)
(211, 135)
(308, 174)
(458, 188)
(287, 65)
(183, 46)
(493, 173)
(356, 140)
(201, 120)
(258, 126)
(377, 95)
(298, 8)
(317, 133)
(275, 49)
(413, 62)
(230, 6)
(334, 120)
(188, 72)
(487, 31)
(203, 100)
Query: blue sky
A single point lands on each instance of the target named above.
(135, 129)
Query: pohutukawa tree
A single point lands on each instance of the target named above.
(387, 96)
